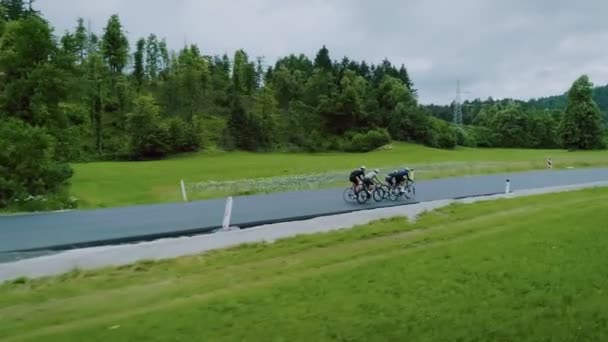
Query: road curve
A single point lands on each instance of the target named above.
(82, 228)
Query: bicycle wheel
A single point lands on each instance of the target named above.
(394, 194)
(378, 194)
(362, 196)
(385, 190)
(410, 191)
(349, 195)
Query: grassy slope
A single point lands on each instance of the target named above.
(126, 183)
(526, 269)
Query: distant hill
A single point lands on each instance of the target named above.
(600, 95)
(555, 102)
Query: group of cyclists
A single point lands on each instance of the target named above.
(396, 178)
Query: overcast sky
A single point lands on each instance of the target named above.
(510, 48)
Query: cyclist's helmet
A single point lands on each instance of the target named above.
(362, 167)
(376, 171)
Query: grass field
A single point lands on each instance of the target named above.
(527, 269)
(109, 184)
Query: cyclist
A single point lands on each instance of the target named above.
(356, 177)
(370, 178)
(390, 179)
(401, 176)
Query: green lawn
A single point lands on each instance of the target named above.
(110, 184)
(527, 269)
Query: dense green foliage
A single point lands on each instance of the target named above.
(581, 126)
(28, 169)
(99, 100)
(536, 123)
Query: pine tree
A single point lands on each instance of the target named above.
(115, 46)
(81, 40)
(138, 59)
(14, 9)
(322, 60)
(405, 78)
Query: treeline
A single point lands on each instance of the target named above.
(537, 123)
(85, 96)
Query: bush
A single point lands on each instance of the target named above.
(483, 136)
(150, 136)
(212, 130)
(28, 164)
(184, 137)
(446, 138)
(463, 138)
(441, 135)
(369, 141)
(315, 142)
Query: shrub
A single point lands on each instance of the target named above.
(28, 163)
(369, 141)
(484, 137)
(150, 136)
(184, 137)
(463, 138)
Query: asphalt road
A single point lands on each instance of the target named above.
(64, 230)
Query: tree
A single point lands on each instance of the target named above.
(81, 40)
(319, 84)
(14, 9)
(288, 85)
(2, 19)
(149, 136)
(138, 59)
(243, 74)
(68, 45)
(93, 45)
(348, 112)
(220, 83)
(28, 166)
(512, 127)
(96, 74)
(32, 85)
(322, 60)
(263, 120)
(581, 125)
(115, 46)
(405, 78)
(164, 57)
(192, 82)
(153, 58)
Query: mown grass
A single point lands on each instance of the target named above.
(528, 269)
(109, 184)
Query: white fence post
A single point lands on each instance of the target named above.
(184, 191)
(549, 163)
(227, 214)
(508, 187)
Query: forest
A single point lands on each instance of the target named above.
(80, 96)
